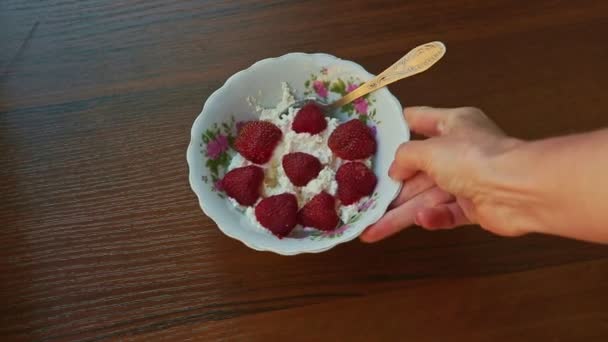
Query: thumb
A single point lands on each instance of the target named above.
(412, 157)
(427, 121)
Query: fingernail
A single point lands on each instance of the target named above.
(391, 170)
(417, 220)
(365, 238)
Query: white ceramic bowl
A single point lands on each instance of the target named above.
(319, 75)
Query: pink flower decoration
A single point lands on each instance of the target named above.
(351, 86)
(217, 146)
(218, 185)
(338, 231)
(374, 130)
(365, 205)
(320, 88)
(360, 105)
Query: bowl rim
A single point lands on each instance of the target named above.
(194, 132)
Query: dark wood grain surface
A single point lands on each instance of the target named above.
(103, 239)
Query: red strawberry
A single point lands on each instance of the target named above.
(352, 140)
(278, 213)
(355, 180)
(309, 119)
(301, 167)
(256, 141)
(319, 213)
(243, 184)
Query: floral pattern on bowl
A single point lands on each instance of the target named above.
(322, 86)
(320, 75)
(217, 146)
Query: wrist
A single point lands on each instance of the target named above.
(508, 202)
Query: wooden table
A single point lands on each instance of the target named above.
(103, 239)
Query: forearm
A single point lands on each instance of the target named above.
(556, 186)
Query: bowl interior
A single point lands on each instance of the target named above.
(308, 75)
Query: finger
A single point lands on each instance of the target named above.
(414, 186)
(403, 216)
(442, 216)
(433, 122)
(427, 121)
(410, 158)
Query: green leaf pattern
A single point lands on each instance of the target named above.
(217, 146)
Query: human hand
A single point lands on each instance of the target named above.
(447, 177)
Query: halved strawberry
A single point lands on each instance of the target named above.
(352, 140)
(301, 167)
(278, 213)
(243, 184)
(355, 180)
(309, 119)
(319, 212)
(257, 140)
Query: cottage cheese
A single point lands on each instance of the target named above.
(275, 180)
